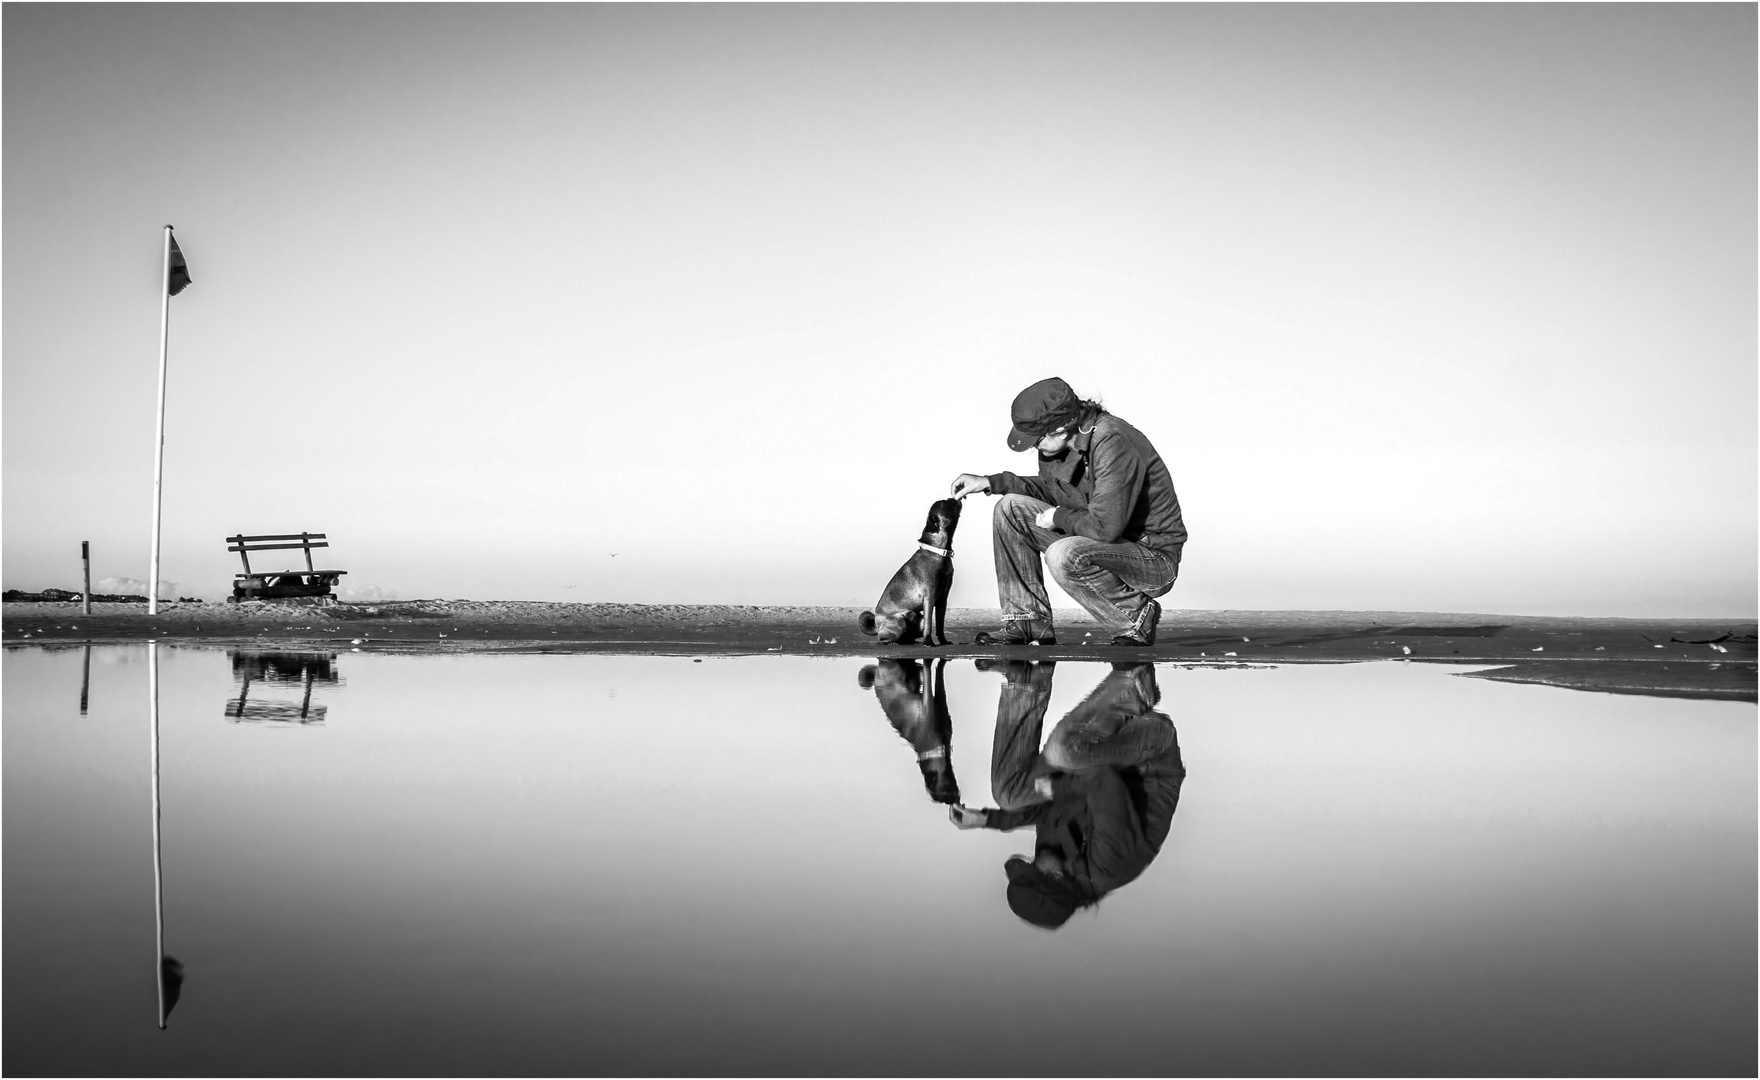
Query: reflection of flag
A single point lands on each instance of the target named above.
(170, 984)
(179, 269)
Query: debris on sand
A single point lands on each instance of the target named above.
(63, 596)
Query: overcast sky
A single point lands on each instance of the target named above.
(1427, 307)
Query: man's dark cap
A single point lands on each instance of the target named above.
(1038, 897)
(1042, 407)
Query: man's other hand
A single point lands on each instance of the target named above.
(969, 484)
(965, 817)
(1046, 517)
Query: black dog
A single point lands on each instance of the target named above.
(915, 601)
(914, 699)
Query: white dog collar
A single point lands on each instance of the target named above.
(946, 553)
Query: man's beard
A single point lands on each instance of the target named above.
(1059, 456)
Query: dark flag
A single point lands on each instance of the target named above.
(179, 269)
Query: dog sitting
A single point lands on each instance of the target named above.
(914, 604)
(914, 699)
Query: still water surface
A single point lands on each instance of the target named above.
(565, 864)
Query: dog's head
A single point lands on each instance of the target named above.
(938, 779)
(943, 519)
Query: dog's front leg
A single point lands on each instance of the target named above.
(937, 613)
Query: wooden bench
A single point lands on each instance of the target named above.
(256, 584)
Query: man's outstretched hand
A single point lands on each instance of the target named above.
(968, 484)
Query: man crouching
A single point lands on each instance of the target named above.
(1102, 511)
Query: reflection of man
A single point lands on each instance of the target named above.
(1100, 796)
(914, 699)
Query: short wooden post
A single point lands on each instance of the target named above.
(85, 556)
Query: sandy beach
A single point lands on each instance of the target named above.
(1699, 658)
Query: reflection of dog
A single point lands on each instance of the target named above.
(915, 601)
(915, 700)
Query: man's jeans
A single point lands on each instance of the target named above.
(1111, 581)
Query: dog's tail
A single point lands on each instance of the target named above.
(866, 622)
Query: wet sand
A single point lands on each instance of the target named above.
(1699, 658)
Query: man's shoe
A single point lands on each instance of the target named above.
(1142, 632)
(1018, 632)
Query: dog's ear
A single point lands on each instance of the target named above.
(866, 621)
(865, 677)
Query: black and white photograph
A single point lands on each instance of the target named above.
(879, 539)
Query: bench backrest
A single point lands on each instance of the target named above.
(244, 545)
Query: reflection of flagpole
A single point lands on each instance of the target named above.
(158, 879)
(85, 682)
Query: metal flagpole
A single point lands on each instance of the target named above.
(159, 433)
(158, 877)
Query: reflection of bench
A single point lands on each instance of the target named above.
(303, 669)
(280, 583)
